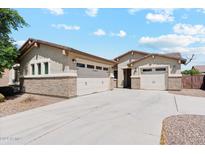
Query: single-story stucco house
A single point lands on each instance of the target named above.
(51, 69)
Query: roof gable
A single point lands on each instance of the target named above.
(130, 52)
(34, 42)
(159, 55)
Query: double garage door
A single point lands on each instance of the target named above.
(92, 85)
(153, 78)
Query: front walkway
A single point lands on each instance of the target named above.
(121, 116)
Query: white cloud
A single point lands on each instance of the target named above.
(121, 34)
(19, 43)
(202, 10)
(56, 11)
(66, 27)
(185, 44)
(161, 15)
(153, 17)
(167, 41)
(92, 12)
(100, 32)
(189, 29)
(185, 50)
(134, 10)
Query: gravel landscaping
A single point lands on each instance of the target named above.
(190, 92)
(25, 102)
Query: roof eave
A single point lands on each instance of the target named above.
(183, 61)
(61, 47)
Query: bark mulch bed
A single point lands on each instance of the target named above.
(25, 102)
(190, 92)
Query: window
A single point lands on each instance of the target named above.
(39, 68)
(90, 66)
(46, 67)
(160, 69)
(80, 65)
(33, 69)
(98, 68)
(105, 69)
(147, 70)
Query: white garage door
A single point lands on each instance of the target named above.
(92, 85)
(153, 78)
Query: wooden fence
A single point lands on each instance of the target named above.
(193, 82)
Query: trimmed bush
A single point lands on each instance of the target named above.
(7, 91)
(1, 98)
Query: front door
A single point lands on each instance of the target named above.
(127, 78)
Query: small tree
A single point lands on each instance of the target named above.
(9, 19)
(191, 72)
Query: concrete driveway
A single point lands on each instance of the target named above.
(121, 116)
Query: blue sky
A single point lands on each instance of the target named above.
(111, 32)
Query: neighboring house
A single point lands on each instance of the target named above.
(200, 68)
(4, 79)
(52, 69)
(141, 70)
(10, 77)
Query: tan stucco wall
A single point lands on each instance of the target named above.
(52, 86)
(174, 68)
(93, 73)
(58, 62)
(123, 61)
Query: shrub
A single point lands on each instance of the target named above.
(7, 91)
(1, 98)
(191, 72)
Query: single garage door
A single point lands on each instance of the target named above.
(153, 78)
(92, 85)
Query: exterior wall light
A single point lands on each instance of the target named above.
(74, 61)
(63, 52)
(35, 45)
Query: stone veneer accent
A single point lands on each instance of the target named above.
(135, 82)
(174, 83)
(112, 83)
(53, 86)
